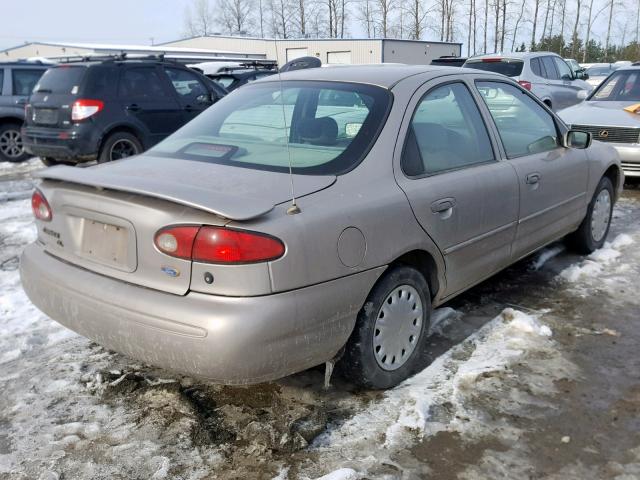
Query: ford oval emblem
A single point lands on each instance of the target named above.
(172, 272)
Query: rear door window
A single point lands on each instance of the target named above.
(447, 132)
(101, 82)
(141, 83)
(61, 80)
(24, 80)
(536, 67)
(549, 66)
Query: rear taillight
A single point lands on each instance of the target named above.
(84, 108)
(218, 245)
(40, 206)
(525, 84)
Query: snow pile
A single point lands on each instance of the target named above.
(436, 399)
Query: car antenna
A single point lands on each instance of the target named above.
(293, 209)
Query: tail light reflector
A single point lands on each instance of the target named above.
(218, 245)
(525, 84)
(40, 206)
(84, 108)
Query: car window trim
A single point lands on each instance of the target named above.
(454, 169)
(535, 99)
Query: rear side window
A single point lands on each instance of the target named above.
(1, 79)
(24, 80)
(64, 80)
(552, 73)
(536, 67)
(101, 82)
(524, 126)
(142, 83)
(505, 66)
(446, 133)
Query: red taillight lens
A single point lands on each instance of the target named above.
(491, 60)
(218, 245)
(84, 108)
(525, 84)
(40, 206)
(176, 241)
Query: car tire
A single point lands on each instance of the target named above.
(594, 228)
(373, 356)
(119, 145)
(11, 146)
(52, 162)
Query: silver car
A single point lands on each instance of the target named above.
(546, 74)
(598, 72)
(316, 217)
(612, 115)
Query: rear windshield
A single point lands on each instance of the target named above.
(599, 71)
(322, 128)
(621, 86)
(505, 66)
(63, 79)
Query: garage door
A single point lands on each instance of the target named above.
(293, 53)
(338, 58)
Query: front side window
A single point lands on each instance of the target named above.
(622, 86)
(524, 126)
(563, 68)
(140, 84)
(186, 84)
(446, 133)
(266, 126)
(25, 80)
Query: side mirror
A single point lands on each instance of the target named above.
(578, 139)
(582, 94)
(205, 99)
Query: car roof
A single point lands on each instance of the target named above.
(518, 55)
(380, 74)
(627, 67)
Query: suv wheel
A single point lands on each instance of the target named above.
(119, 145)
(595, 227)
(11, 147)
(387, 342)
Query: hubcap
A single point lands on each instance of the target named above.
(601, 215)
(397, 328)
(11, 144)
(122, 149)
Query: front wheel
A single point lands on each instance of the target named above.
(387, 342)
(594, 228)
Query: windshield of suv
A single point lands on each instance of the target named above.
(621, 86)
(63, 79)
(506, 66)
(328, 126)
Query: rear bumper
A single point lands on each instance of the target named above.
(630, 157)
(232, 340)
(78, 144)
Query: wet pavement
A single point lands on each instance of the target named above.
(534, 374)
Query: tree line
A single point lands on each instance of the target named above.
(587, 30)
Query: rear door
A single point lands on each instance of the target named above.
(553, 179)
(193, 95)
(463, 197)
(148, 101)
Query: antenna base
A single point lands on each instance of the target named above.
(293, 210)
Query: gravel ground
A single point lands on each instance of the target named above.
(535, 374)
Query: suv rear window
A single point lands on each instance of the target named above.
(323, 128)
(506, 66)
(63, 79)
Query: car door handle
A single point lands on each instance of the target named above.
(442, 205)
(21, 101)
(533, 178)
(133, 107)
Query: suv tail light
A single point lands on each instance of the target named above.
(525, 84)
(40, 206)
(218, 245)
(84, 108)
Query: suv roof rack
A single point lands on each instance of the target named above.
(252, 64)
(120, 57)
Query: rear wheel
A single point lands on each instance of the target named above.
(52, 162)
(386, 344)
(11, 146)
(119, 145)
(594, 228)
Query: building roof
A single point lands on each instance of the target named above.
(283, 40)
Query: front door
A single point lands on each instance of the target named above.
(464, 199)
(553, 179)
(193, 96)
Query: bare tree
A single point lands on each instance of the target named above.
(535, 23)
(517, 24)
(366, 16)
(418, 13)
(590, 21)
(486, 24)
(281, 18)
(606, 43)
(574, 37)
(385, 9)
(504, 22)
(236, 16)
(199, 19)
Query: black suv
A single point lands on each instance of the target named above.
(235, 77)
(17, 79)
(111, 108)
